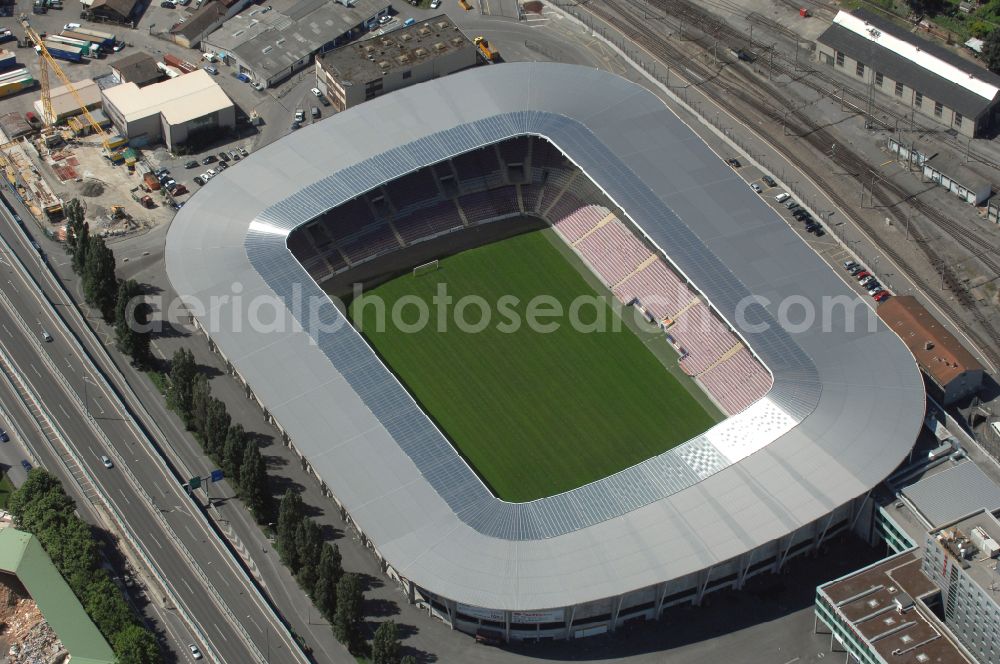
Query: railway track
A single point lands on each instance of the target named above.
(737, 99)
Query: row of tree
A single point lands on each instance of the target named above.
(119, 301)
(41, 507)
(190, 395)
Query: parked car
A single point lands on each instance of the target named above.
(199, 180)
(222, 166)
(315, 112)
(169, 183)
(382, 20)
(782, 197)
(243, 151)
(211, 70)
(769, 181)
(257, 85)
(435, 4)
(735, 163)
(26, 465)
(799, 213)
(316, 92)
(882, 296)
(790, 204)
(46, 336)
(324, 101)
(242, 77)
(223, 156)
(168, 4)
(71, 26)
(208, 160)
(161, 171)
(300, 115)
(4, 438)
(191, 164)
(856, 270)
(756, 187)
(849, 264)
(107, 462)
(863, 274)
(295, 125)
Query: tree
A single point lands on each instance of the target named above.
(100, 283)
(232, 453)
(201, 396)
(290, 513)
(217, 422)
(309, 542)
(253, 482)
(39, 483)
(408, 659)
(136, 645)
(131, 318)
(991, 51)
(385, 644)
(347, 617)
(106, 607)
(931, 7)
(74, 225)
(182, 374)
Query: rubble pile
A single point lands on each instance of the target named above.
(28, 636)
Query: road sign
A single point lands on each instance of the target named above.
(216, 475)
(194, 483)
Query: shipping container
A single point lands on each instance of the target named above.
(63, 51)
(13, 75)
(6, 36)
(10, 87)
(183, 65)
(105, 39)
(90, 49)
(8, 61)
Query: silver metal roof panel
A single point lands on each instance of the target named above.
(844, 410)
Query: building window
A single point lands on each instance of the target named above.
(899, 89)
(958, 119)
(918, 99)
(860, 69)
(938, 109)
(407, 74)
(840, 59)
(878, 78)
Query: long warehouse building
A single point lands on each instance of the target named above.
(759, 488)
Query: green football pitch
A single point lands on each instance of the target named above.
(534, 412)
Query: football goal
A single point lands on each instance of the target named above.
(425, 268)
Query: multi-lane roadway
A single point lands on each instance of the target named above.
(226, 613)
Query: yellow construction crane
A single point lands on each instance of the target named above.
(48, 62)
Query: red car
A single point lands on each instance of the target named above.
(861, 275)
(881, 295)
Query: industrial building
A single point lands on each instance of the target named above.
(65, 104)
(24, 563)
(270, 45)
(124, 12)
(172, 111)
(138, 67)
(772, 482)
(355, 73)
(205, 20)
(953, 371)
(946, 169)
(930, 79)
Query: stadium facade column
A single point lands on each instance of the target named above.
(746, 559)
(570, 615)
(704, 576)
(661, 595)
(819, 539)
(783, 551)
(506, 625)
(449, 604)
(616, 609)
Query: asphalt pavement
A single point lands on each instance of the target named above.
(173, 533)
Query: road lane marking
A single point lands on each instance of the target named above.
(35, 370)
(124, 496)
(190, 534)
(184, 581)
(223, 634)
(63, 410)
(8, 332)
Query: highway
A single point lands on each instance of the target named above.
(210, 587)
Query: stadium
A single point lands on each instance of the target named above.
(753, 443)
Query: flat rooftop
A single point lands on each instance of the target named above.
(980, 567)
(400, 49)
(180, 99)
(881, 602)
(272, 41)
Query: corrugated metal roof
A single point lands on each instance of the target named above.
(845, 408)
(953, 494)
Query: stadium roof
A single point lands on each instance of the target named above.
(845, 408)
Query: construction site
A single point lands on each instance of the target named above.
(69, 147)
